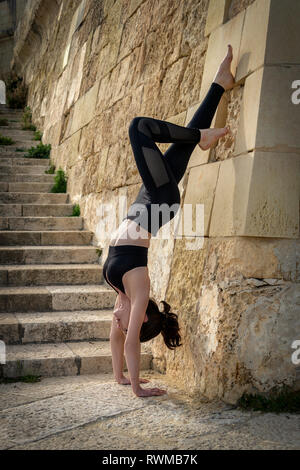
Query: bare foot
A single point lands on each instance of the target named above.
(224, 76)
(125, 381)
(149, 392)
(210, 136)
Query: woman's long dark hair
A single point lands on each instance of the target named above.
(164, 322)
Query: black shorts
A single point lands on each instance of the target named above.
(120, 259)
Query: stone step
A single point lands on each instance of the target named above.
(37, 238)
(20, 161)
(21, 187)
(54, 298)
(57, 359)
(23, 178)
(18, 134)
(11, 124)
(17, 144)
(54, 274)
(9, 151)
(36, 210)
(37, 198)
(9, 115)
(28, 255)
(24, 170)
(41, 223)
(4, 108)
(54, 327)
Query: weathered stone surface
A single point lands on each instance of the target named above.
(139, 22)
(62, 326)
(9, 328)
(77, 73)
(261, 115)
(280, 114)
(283, 33)
(251, 196)
(59, 413)
(219, 334)
(247, 127)
(229, 33)
(201, 189)
(253, 46)
(84, 109)
(216, 15)
(52, 274)
(238, 5)
(228, 114)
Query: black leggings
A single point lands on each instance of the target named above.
(162, 173)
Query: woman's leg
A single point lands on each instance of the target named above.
(159, 184)
(178, 154)
(154, 169)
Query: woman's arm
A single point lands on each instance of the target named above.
(137, 282)
(117, 340)
(132, 344)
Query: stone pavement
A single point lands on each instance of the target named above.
(94, 412)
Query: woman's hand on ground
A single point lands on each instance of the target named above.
(125, 381)
(149, 392)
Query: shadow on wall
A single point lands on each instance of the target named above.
(2, 92)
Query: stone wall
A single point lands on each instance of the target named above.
(91, 66)
(11, 12)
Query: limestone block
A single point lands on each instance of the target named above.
(253, 45)
(109, 38)
(216, 15)
(267, 330)
(283, 33)
(58, 98)
(68, 150)
(279, 118)
(201, 188)
(228, 33)
(140, 23)
(160, 38)
(107, 59)
(86, 143)
(231, 198)
(80, 14)
(51, 134)
(230, 259)
(247, 127)
(77, 71)
(192, 77)
(76, 20)
(120, 77)
(269, 119)
(9, 326)
(84, 110)
(170, 89)
(134, 4)
(258, 195)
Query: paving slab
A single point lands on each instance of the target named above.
(94, 412)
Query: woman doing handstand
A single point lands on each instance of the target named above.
(137, 317)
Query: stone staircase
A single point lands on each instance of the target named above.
(55, 307)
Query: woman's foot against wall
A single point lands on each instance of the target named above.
(224, 76)
(210, 136)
